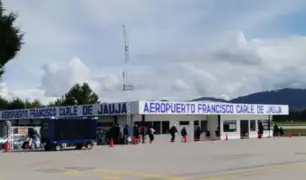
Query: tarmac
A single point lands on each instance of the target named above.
(265, 159)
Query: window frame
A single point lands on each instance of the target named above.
(251, 129)
(163, 130)
(156, 125)
(265, 124)
(228, 123)
(184, 123)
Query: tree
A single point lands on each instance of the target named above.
(58, 102)
(10, 38)
(78, 95)
(33, 104)
(16, 103)
(3, 103)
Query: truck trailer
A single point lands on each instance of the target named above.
(59, 133)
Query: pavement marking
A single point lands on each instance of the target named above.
(257, 172)
(217, 177)
(73, 173)
(141, 175)
(110, 178)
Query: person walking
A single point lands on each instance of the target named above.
(136, 134)
(151, 132)
(126, 134)
(173, 131)
(184, 134)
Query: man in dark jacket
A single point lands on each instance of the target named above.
(173, 131)
(275, 130)
(126, 133)
(260, 129)
(217, 132)
(136, 133)
(184, 134)
(197, 134)
(117, 133)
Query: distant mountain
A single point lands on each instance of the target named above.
(295, 98)
(210, 99)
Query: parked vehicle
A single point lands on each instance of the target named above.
(59, 133)
(3, 140)
(15, 140)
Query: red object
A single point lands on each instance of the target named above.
(226, 137)
(6, 147)
(185, 139)
(290, 134)
(139, 138)
(111, 143)
(259, 136)
(134, 140)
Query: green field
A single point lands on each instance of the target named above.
(301, 123)
(295, 132)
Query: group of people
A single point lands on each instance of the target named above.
(129, 134)
(278, 131)
(137, 133)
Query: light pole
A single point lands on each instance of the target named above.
(125, 86)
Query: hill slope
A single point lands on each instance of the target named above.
(295, 98)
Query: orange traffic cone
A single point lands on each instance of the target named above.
(111, 143)
(226, 137)
(6, 147)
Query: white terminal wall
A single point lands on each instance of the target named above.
(252, 134)
(212, 124)
(173, 120)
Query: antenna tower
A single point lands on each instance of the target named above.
(125, 86)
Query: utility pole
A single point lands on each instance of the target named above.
(125, 86)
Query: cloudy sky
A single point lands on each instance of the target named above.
(179, 49)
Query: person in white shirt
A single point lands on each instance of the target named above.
(151, 134)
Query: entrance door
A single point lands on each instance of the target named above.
(196, 125)
(244, 128)
(188, 127)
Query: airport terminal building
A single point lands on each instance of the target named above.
(233, 119)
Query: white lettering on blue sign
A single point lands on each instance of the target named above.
(15, 114)
(80, 111)
(210, 108)
(68, 111)
(43, 112)
(87, 110)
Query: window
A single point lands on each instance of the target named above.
(204, 125)
(196, 123)
(138, 123)
(253, 125)
(157, 127)
(229, 126)
(184, 123)
(148, 124)
(266, 124)
(105, 124)
(165, 127)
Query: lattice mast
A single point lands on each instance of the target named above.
(125, 86)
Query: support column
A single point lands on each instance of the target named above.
(143, 124)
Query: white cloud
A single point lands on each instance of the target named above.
(178, 49)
